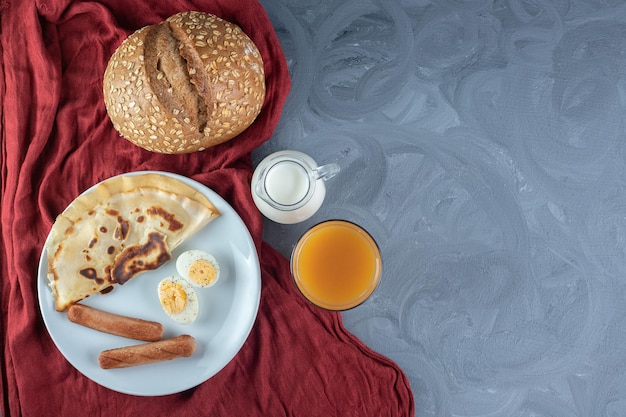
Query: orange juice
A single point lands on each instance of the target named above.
(336, 265)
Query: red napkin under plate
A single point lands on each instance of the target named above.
(57, 141)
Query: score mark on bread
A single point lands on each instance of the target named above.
(185, 84)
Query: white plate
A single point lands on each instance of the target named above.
(227, 311)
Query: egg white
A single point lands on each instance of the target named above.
(186, 259)
(190, 312)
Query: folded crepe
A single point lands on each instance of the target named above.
(119, 228)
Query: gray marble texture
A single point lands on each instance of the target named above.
(482, 143)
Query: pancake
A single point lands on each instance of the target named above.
(121, 227)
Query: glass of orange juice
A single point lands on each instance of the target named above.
(336, 265)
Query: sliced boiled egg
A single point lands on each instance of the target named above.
(199, 267)
(178, 299)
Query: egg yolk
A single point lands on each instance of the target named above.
(173, 297)
(202, 272)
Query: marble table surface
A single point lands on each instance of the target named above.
(482, 143)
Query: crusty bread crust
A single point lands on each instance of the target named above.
(185, 84)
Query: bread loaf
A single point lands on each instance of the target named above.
(185, 84)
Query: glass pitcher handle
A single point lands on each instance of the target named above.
(326, 172)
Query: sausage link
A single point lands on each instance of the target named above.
(132, 328)
(163, 350)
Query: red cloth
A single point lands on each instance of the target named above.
(57, 140)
